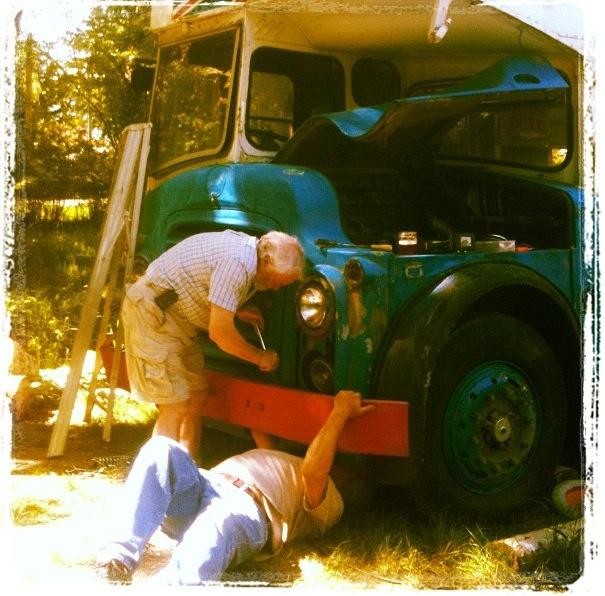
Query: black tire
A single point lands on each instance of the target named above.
(496, 418)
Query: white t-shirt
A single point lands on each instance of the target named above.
(277, 475)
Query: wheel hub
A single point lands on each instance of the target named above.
(501, 430)
(491, 427)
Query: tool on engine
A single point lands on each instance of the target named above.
(323, 243)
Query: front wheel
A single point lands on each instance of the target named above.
(496, 416)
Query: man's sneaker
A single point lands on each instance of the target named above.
(115, 571)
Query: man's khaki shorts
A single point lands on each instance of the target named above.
(164, 359)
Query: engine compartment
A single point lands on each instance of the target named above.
(376, 204)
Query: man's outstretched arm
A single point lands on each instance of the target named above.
(320, 454)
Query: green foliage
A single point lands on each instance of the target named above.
(114, 40)
(69, 115)
(45, 336)
(55, 264)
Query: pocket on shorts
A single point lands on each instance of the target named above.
(164, 372)
(158, 384)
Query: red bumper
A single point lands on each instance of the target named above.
(295, 414)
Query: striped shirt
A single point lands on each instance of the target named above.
(210, 268)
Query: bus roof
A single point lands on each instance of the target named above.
(562, 20)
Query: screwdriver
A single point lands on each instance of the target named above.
(323, 243)
(260, 336)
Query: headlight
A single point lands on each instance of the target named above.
(317, 373)
(315, 306)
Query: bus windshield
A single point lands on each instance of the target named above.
(192, 98)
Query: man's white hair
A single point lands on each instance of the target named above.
(282, 254)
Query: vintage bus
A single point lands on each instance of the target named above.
(429, 157)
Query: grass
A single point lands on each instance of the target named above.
(383, 547)
(442, 553)
(561, 560)
(28, 511)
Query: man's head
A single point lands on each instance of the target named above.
(353, 485)
(280, 261)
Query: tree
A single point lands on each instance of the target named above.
(115, 40)
(70, 115)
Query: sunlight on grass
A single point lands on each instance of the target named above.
(27, 512)
(57, 536)
(316, 575)
(312, 571)
(126, 409)
(46, 498)
(435, 554)
(468, 566)
(477, 567)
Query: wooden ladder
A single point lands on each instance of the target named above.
(112, 269)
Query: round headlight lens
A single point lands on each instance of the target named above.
(317, 373)
(321, 375)
(313, 306)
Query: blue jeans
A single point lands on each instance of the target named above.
(215, 524)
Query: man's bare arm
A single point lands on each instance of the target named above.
(320, 454)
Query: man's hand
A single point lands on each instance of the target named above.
(251, 315)
(223, 333)
(269, 361)
(348, 403)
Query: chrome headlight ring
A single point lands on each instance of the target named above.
(315, 306)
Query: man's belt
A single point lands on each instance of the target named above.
(247, 488)
(257, 497)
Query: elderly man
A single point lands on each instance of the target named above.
(246, 507)
(200, 283)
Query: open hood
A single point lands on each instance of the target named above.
(408, 127)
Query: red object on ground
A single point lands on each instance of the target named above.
(295, 414)
(568, 498)
(574, 497)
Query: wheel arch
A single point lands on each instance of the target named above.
(421, 330)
